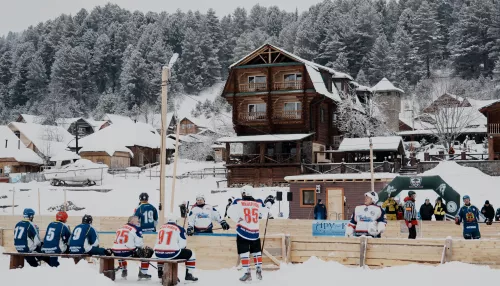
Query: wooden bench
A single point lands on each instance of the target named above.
(106, 264)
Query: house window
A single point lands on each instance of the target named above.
(257, 111)
(292, 81)
(293, 77)
(257, 79)
(292, 110)
(335, 117)
(307, 197)
(322, 115)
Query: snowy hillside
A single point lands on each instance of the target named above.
(124, 194)
(312, 272)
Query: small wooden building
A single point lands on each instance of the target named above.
(340, 193)
(220, 152)
(492, 113)
(14, 156)
(115, 160)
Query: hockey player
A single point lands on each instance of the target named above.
(26, 238)
(246, 212)
(201, 217)
(84, 239)
(57, 237)
(147, 214)
(129, 243)
(171, 244)
(368, 219)
(469, 214)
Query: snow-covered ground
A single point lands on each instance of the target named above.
(312, 272)
(124, 194)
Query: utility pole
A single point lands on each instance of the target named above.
(164, 79)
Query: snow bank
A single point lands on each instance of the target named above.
(469, 181)
(312, 272)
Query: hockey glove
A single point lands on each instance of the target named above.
(224, 225)
(457, 221)
(190, 231)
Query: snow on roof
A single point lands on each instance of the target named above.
(15, 149)
(264, 138)
(359, 87)
(385, 85)
(65, 155)
(319, 84)
(351, 176)
(216, 146)
(389, 143)
(96, 125)
(48, 139)
(118, 119)
(33, 118)
(342, 75)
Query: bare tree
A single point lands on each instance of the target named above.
(450, 122)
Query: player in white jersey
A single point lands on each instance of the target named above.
(201, 217)
(368, 219)
(130, 243)
(171, 244)
(246, 212)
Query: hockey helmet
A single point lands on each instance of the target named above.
(87, 219)
(200, 197)
(246, 191)
(373, 195)
(144, 197)
(466, 197)
(172, 218)
(62, 216)
(28, 213)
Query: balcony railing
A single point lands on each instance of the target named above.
(494, 128)
(252, 116)
(249, 87)
(288, 85)
(277, 158)
(288, 115)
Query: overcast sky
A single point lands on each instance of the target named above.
(18, 15)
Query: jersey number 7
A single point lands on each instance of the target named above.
(251, 215)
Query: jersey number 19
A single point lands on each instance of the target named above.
(148, 217)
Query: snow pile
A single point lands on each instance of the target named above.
(312, 272)
(469, 181)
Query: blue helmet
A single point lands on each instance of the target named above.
(28, 213)
(466, 197)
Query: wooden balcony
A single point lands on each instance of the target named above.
(494, 128)
(288, 85)
(252, 116)
(253, 87)
(288, 115)
(277, 86)
(277, 158)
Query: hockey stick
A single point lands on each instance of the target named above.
(265, 231)
(186, 215)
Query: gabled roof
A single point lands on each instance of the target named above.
(32, 118)
(48, 139)
(313, 69)
(483, 109)
(385, 85)
(15, 149)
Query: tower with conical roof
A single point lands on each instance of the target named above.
(388, 99)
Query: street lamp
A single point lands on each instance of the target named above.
(164, 79)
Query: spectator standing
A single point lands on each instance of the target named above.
(426, 210)
(497, 215)
(320, 211)
(391, 207)
(229, 203)
(439, 209)
(488, 211)
(410, 214)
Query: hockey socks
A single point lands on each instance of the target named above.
(122, 264)
(257, 259)
(191, 263)
(245, 261)
(144, 267)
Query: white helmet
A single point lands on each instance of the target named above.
(172, 218)
(246, 191)
(200, 197)
(373, 195)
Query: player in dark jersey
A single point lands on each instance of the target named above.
(147, 214)
(56, 237)
(84, 239)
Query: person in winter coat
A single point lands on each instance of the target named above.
(426, 210)
(497, 215)
(410, 214)
(320, 211)
(469, 214)
(488, 211)
(439, 209)
(390, 207)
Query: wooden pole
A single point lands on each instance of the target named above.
(65, 202)
(175, 164)
(39, 209)
(371, 166)
(163, 148)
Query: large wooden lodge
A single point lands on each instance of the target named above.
(284, 110)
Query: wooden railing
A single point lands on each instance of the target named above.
(288, 114)
(249, 87)
(252, 116)
(277, 158)
(288, 85)
(494, 128)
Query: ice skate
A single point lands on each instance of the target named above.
(246, 278)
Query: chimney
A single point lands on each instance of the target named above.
(6, 143)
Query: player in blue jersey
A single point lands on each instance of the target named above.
(147, 214)
(57, 237)
(469, 214)
(84, 239)
(26, 238)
